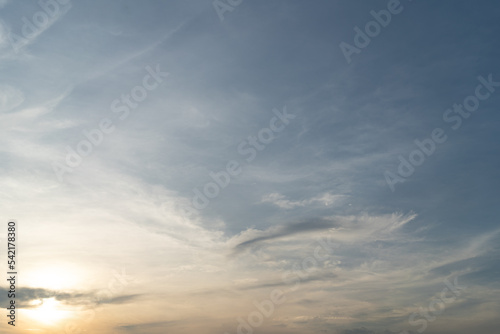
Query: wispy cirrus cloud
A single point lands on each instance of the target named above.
(10, 98)
(281, 201)
(320, 183)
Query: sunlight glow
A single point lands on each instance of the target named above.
(59, 276)
(48, 312)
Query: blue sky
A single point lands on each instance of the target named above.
(202, 86)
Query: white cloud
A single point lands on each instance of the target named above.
(326, 199)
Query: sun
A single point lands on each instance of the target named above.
(53, 279)
(47, 311)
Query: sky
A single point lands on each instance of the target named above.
(238, 166)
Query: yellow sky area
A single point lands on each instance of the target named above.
(47, 311)
(56, 277)
(50, 316)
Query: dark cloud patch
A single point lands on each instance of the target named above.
(323, 276)
(315, 224)
(120, 299)
(142, 327)
(216, 292)
(26, 295)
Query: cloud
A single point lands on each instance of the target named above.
(25, 295)
(10, 98)
(286, 230)
(318, 277)
(124, 299)
(4, 35)
(280, 201)
(343, 228)
(351, 123)
(147, 326)
(19, 41)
